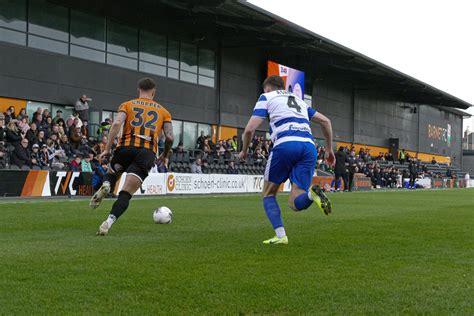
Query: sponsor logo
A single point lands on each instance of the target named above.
(171, 183)
(299, 128)
(71, 183)
(440, 133)
(283, 71)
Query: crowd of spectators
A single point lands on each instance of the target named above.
(44, 141)
(381, 169)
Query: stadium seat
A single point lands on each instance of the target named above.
(25, 167)
(36, 168)
(186, 157)
(14, 167)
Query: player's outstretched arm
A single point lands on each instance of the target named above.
(113, 132)
(169, 138)
(327, 132)
(252, 125)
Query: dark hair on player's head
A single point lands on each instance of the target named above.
(275, 82)
(146, 84)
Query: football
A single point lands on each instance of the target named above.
(162, 215)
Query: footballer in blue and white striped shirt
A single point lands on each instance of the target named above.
(293, 155)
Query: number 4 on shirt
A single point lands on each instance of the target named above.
(293, 104)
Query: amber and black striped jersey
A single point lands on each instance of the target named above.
(144, 123)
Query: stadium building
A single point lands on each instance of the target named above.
(209, 59)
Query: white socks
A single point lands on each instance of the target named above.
(110, 220)
(280, 232)
(310, 196)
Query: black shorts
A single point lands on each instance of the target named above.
(133, 160)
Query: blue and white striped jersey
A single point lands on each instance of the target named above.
(289, 116)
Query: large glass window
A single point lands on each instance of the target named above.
(188, 63)
(177, 132)
(189, 135)
(173, 59)
(122, 61)
(152, 68)
(48, 20)
(206, 128)
(31, 108)
(11, 36)
(122, 39)
(47, 44)
(206, 62)
(13, 14)
(206, 67)
(87, 30)
(152, 48)
(87, 53)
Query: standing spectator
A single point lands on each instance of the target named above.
(413, 170)
(104, 127)
(402, 156)
(13, 135)
(86, 164)
(35, 156)
(21, 155)
(76, 164)
(234, 143)
(206, 147)
(31, 134)
(200, 141)
(3, 130)
(231, 168)
(352, 169)
(82, 107)
(340, 171)
(467, 179)
(196, 166)
(59, 118)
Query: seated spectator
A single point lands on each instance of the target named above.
(86, 164)
(231, 168)
(433, 161)
(3, 129)
(8, 115)
(54, 155)
(40, 139)
(23, 124)
(258, 155)
(77, 120)
(54, 130)
(84, 128)
(206, 148)
(75, 137)
(13, 135)
(99, 174)
(3, 156)
(46, 114)
(59, 118)
(179, 148)
(21, 155)
(221, 148)
(31, 134)
(42, 125)
(196, 166)
(76, 164)
(44, 155)
(36, 156)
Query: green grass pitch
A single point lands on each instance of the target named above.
(408, 252)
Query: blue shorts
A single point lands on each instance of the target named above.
(293, 160)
